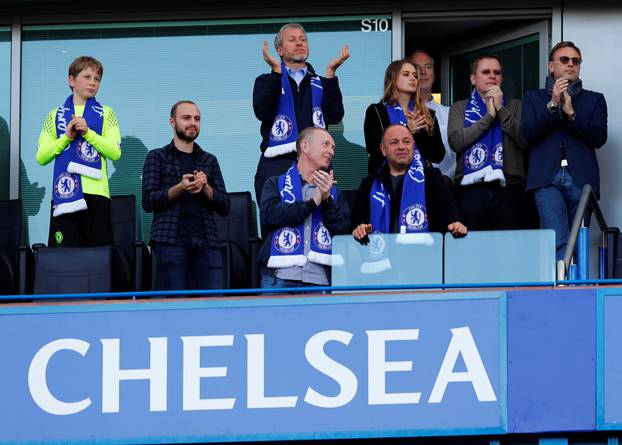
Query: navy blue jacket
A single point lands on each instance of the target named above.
(276, 214)
(550, 133)
(441, 205)
(267, 92)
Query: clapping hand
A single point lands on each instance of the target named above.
(70, 130)
(560, 87)
(344, 54)
(323, 182)
(272, 61)
(416, 122)
(494, 100)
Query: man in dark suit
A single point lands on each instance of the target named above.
(404, 196)
(565, 124)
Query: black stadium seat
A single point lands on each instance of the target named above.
(116, 268)
(129, 253)
(240, 234)
(14, 256)
(72, 270)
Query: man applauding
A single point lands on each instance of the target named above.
(291, 98)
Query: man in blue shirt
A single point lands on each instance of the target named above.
(564, 124)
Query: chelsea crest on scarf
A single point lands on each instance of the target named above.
(483, 161)
(284, 131)
(413, 215)
(79, 158)
(288, 244)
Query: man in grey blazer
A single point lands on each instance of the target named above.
(485, 133)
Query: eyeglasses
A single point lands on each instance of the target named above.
(487, 71)
(565, 59)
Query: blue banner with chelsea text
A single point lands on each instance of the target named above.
(260, 369)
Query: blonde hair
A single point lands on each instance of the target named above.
(390, 92)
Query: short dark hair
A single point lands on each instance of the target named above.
(563, 44)
(307, 134)
(482, 57)
(83, 62)
(174, 107)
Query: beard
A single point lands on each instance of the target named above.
(181, 134)
(296, 58)
(299, 58)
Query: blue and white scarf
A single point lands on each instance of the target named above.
(396, 113)
(79, 158)
(284, 130)
(397, 117)
(483, 161)
(288, 244)
(413, 214)
(413, 222)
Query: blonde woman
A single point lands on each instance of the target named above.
(402, 104)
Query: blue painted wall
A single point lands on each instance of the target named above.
(551, 361)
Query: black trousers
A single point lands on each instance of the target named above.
(86, 228)
(488, 206)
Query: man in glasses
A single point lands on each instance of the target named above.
(484, 131)
(565, 124)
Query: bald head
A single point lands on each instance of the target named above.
(393, 130)
(307, 134)
(316, 148)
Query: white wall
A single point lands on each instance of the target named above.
(599, 35)
(597, 30)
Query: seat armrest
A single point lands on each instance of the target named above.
(139, 248)
(225, 249)
(255, 244)
(37, 246)
(7, 275)
(25, 264)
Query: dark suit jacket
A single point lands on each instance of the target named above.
(551, 133)
(267, 93)
(440, 204)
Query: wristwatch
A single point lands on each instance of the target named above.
(329, 200)
(552, 107)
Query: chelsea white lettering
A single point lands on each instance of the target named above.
(258, 396)
(61, 122)
(288, 190)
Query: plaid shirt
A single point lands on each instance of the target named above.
(161, 172)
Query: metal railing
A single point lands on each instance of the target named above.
(579, 238)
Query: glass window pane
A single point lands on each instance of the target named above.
(388, 259)
(532, 257)
(5, 109)
(148, 67)
(520, 59)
